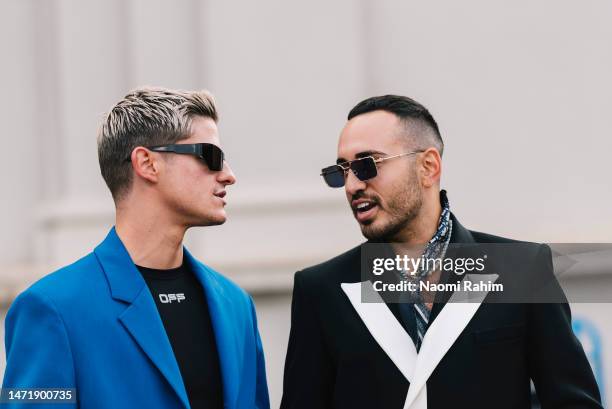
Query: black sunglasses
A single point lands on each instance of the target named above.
(363, 168)
(210, 154)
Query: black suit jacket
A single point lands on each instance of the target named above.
(333, 360)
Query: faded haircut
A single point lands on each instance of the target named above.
(146, 117)
(420, 124)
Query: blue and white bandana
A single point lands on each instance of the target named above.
(435, 248)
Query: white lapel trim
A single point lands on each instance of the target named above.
(386, 330)
(398, 345)
(442, 334)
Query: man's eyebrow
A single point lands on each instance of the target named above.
(369, 153)
(361, 155)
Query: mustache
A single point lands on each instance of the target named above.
(361, 195)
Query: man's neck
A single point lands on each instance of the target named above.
(150, 241)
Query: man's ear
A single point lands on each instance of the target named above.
(145, 164)
(431, 167)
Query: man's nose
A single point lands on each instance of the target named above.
(226, 175)
(352, 184)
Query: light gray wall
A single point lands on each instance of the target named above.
(520, 90)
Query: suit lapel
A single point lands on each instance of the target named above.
(450, 318)
(442, 334)
(141, 318)
(224, 327)
(383, 326)
(450, 315)
(395, 342)
(386, 331)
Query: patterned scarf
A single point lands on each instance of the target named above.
(435, 248)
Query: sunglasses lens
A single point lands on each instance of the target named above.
(333, 176)
(364, 168)
(213, 155)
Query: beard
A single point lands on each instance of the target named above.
(402, 209)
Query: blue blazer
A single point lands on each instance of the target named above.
(94, 326)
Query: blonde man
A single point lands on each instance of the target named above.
(140, 322)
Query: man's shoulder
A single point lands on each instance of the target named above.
(463, 235)
(484, 238)
(68, 277)
(67, 285)
(507, 244)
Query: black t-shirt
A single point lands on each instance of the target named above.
(183, 308)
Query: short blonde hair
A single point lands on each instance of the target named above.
(146, 117)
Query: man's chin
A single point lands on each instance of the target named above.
(214, 220)
(216, 223)
(218, 220)
(372, 230)
(380, 230)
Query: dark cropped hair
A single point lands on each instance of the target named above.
(407, 110)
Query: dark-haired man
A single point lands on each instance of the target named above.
(140, 322)
(346, 351)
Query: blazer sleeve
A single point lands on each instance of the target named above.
(558, 365)
(262, 399)
(308, 375)
(38, 351)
